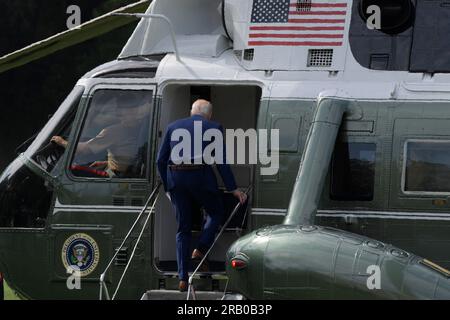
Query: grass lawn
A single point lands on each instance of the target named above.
(9, 294)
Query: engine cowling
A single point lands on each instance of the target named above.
(312, 262)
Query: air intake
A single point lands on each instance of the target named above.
(121, 258)
(249, 54)
(320, 58)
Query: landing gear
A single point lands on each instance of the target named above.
(2, 290)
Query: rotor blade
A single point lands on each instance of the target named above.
(85, 31)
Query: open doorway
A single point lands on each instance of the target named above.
(235, 107)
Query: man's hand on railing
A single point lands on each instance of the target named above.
(241, 196)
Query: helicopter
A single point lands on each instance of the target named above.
(358, 208)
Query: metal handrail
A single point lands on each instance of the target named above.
(191, 278)
(103, 275)
(156, 16)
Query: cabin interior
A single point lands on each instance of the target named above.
(234, 107)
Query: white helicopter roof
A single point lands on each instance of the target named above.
(294, 48)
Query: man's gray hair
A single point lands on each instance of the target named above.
(202, 107)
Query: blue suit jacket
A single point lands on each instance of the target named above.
(167, 145)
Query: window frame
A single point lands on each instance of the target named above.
(405, 160)
(80, 125)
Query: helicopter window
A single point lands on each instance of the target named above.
(353, 172)
(114, 137)
(427, 167)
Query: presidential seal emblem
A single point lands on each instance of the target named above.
(80, 252)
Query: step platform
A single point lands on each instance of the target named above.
(200, 295)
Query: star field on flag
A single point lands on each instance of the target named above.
(269, 11)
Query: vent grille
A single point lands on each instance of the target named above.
(303, 5)
(320, 58)
(249, 54)
(121, 258)
(118, 201)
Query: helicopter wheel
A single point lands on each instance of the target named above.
(2, 289)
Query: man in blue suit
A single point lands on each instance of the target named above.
(188, 180)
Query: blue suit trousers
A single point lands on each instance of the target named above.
(192, 189)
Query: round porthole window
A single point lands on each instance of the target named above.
(395, 16)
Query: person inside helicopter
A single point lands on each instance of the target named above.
(111, 144)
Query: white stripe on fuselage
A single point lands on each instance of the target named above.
(59, 207)
(362, 214)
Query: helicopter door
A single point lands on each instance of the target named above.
(106, 181)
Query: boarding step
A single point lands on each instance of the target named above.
(177, 295)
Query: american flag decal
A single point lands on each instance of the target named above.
(318, 23)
